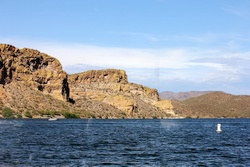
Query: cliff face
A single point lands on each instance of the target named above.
(109, 81)
(34, 69)
(112, 87)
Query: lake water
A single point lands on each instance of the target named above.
(156, 142)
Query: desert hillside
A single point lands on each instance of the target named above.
(214, 105)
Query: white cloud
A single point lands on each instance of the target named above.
(204, 66)
(114, 57)
(70, 54)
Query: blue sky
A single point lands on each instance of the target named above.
(172, 45)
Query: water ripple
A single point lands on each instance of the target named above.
(184, 142)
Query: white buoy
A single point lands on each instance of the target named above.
(218, 128)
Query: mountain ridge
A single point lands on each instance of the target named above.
(34, 84)
(215, 105)
(168, 95)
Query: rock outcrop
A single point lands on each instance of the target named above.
(36, 70)
(111, 86)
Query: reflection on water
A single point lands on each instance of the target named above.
(169, 142)
(169, 124)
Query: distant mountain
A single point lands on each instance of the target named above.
(168, 95)
(214, 105)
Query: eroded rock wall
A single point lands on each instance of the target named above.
(37, 70)
(111, 86)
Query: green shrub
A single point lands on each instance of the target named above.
(70, 115)
(27, 114)
(48, 112)
(19, 116)
(92, 115)
(8, 113)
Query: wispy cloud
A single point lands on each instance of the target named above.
(170, 58)
(222, 39)
(229, 40)
(156, 67)
(137, 35)
(240, 12)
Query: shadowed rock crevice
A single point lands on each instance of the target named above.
(6, 70)
(66, 89)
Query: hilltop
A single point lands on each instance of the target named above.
(214, 105)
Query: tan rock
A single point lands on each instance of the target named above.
(35, 69)
(111, 86)
(124, 103)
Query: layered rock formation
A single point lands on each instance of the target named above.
(112, 87)
(34, 69)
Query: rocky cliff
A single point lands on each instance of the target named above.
(35, 82)
(111, 86)
(34, 69)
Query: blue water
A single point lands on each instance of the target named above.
(169, 142)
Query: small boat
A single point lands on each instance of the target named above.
(52, 119)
